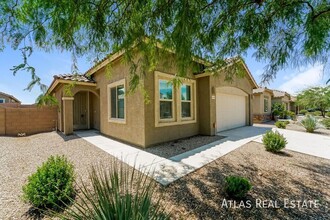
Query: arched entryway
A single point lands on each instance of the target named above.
(86, 111)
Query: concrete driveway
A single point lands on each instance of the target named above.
(306, 143)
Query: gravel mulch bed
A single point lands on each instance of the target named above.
(173, 148)
(297, 127)
(199, 195)
(275, 177)
(19, 158)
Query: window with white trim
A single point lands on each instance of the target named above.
(265, 104)
(186, 103)
(174, 105)
(116, 94)
(165, 99)
(2, 100)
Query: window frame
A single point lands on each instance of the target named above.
(266, 98)
(116, 84)
(173, 100)
(192, 95)
(177, 118)
(3, 100)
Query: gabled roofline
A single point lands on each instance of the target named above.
(112, 57)
(55, 82)
(235, 60)
(11, 97)
(265, 89)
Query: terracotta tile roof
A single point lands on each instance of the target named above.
(10, 96)
(74, 77)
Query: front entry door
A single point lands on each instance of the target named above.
(80, 111)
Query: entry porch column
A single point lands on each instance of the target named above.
(67, 115)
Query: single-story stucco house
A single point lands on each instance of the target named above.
(262, 104)
(204, 104)
(6, 98)
(264, 98)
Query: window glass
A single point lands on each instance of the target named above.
(121, 101)
(186, 109)
(165, 89)
(113, 102)
(2, 101)
(185, 92)
(265, 104)
(165, 109)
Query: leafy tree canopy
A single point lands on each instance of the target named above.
(316, 97)
(281, 32)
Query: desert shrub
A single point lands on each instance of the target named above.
(117, 191)
(309, 123)
(237, 187)
(281, 124)
(303, 112)
(274, 141)
(291, 114)
(326, 123)
(278, 109)
(52, 185)
(317, 113)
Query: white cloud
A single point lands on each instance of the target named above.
(312, 76)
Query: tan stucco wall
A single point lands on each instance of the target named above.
(204, 94)
(153, 134)
(258, 103)
(133, 130)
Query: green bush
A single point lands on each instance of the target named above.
(291, 114)
(317, 113)
(303, 112)
(327, 114)
(326, 123)
(237, 187)
(309, 123)
(278, 109)
(52, 185)
(274, 141)
(281, 124)
(117, 191)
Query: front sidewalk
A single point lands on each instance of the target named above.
(165, 170)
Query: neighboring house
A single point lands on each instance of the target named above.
(204, 104)
(263, 98)
(282, 97)
(262, 104)
(6, 98)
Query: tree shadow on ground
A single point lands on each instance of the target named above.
(202, 193)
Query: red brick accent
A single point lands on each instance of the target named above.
(28, 119)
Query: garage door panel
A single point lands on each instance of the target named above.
(230, 110)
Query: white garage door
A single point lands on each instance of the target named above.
(231, 111)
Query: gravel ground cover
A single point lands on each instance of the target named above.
(199, 195)
(172, 148)
(296, 126)
(275, 177)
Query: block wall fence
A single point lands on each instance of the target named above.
(16, 120)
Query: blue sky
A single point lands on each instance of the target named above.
(291, 80)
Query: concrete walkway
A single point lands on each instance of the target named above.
(165, 170)
(306, 143)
